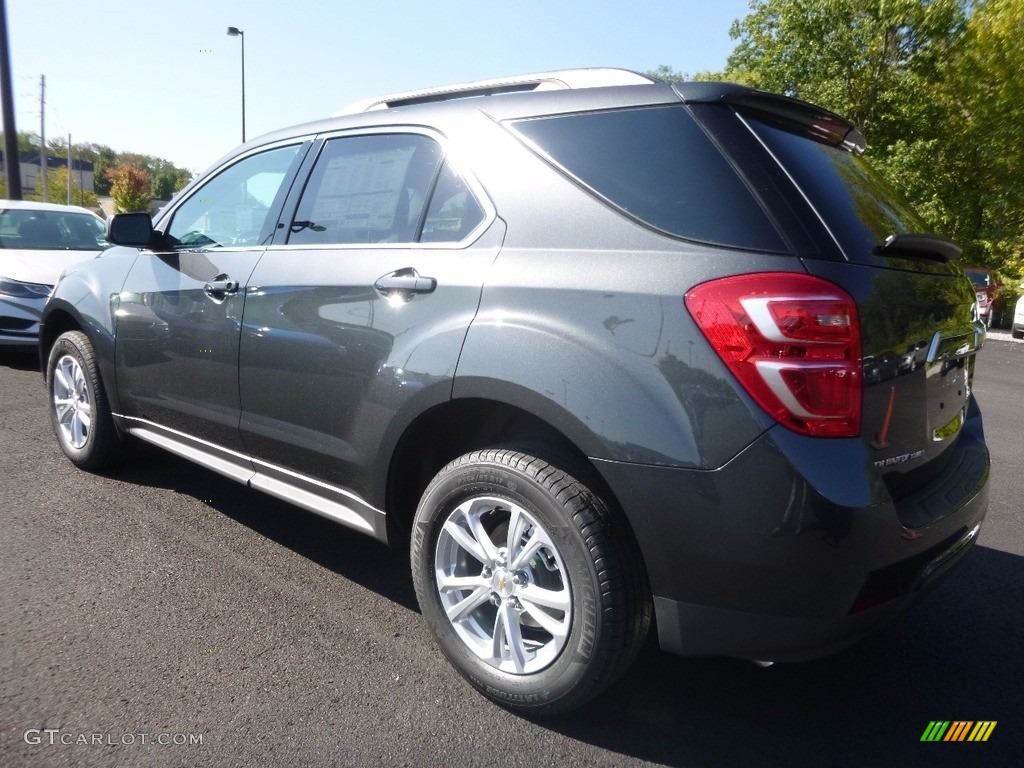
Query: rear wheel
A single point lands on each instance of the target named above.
(525, 583)
(79, 409)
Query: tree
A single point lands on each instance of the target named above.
(102, 158)
(58, 184)
(28, 142)
(129, 187)
(936, 86)
(873, 61)
(666, 74)
(167, 179)
(984, 93)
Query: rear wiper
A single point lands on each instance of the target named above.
(915, 246)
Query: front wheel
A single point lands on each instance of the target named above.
(525, 583)
(79, 409)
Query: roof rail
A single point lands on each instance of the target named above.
(539, 81)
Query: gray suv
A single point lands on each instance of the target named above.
(602, 352)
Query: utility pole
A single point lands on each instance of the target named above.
(69, 169)
(12, 159)
(42, 139)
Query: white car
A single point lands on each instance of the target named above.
(38, 241)
(1017, 329)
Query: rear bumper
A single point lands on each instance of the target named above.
(697, 630)
(778, 556)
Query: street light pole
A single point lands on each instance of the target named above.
(12, 160)
(236, 32)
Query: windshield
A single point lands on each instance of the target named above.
(38, 230)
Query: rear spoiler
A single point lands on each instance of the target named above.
(815, 122)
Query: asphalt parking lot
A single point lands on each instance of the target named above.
(165, 616)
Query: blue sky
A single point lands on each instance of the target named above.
(163, 78)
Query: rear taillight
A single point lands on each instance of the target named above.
(793, 341)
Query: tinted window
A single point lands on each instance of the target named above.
(856, 205)
(657, 165)
(231, 208)
(367, 189)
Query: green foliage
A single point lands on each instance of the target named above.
(984, 95)
(866, 59)
(57, 180)
(167, 180)
(103, 158)
(937, 88)
(129, 187)
(28, 142)
(666, 74)
(166, 177)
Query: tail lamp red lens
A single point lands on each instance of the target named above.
(793, 342)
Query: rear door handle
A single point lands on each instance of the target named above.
(404, 283)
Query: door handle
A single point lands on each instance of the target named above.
(220, 287)
(404, 283)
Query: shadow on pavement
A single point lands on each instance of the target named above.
(19, 358)
(956, 656)
(357, 557)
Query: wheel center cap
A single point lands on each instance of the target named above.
(502, 583)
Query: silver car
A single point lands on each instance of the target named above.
(38, 241)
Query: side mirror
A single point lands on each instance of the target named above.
(132, 229)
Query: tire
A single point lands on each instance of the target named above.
(1017, 334)
(510, 545)
(79, 410)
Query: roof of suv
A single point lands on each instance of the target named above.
(555, 85)
(593, 77)
(568, 91)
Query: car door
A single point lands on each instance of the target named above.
(179, 313)
(359, 318)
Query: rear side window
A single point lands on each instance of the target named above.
(453, 211)
(657, 165)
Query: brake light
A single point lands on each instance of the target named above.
(792, 341)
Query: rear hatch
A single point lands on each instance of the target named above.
(918, 320)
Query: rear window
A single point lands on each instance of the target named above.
(658, 166)
(859, 208)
